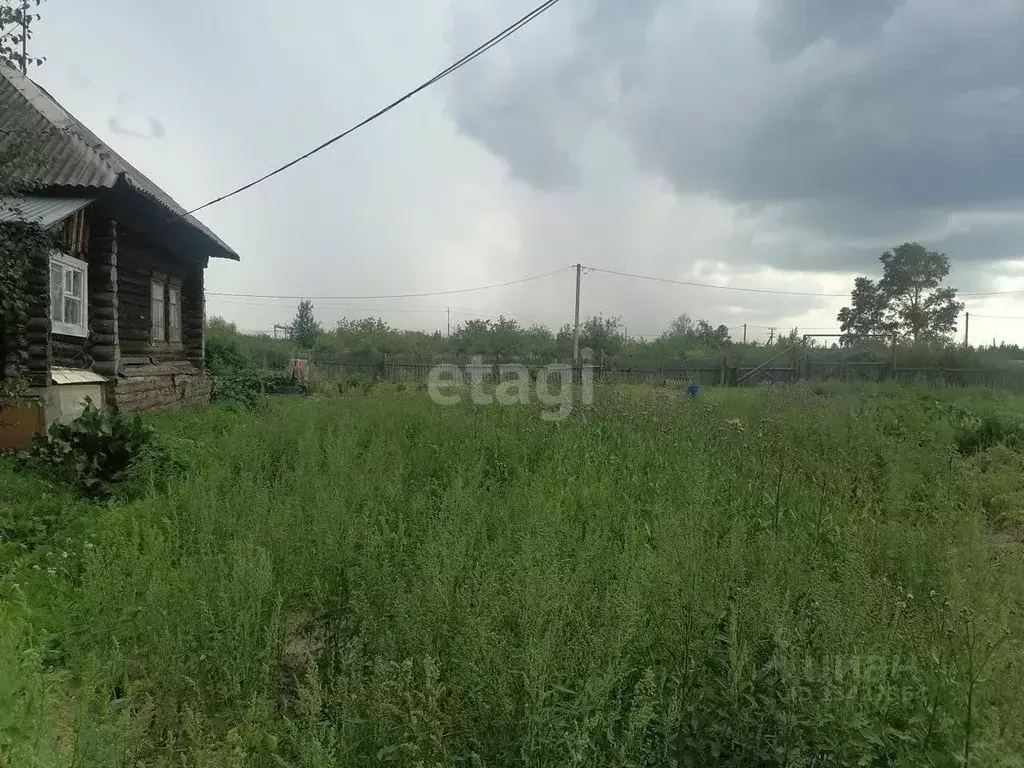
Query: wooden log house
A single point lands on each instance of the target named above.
(118, 311)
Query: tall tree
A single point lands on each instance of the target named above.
(866, 313)
(16, 20)
(909, 300)
(305, 326)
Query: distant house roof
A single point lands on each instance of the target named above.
(65, 156)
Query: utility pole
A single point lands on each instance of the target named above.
(576, 328)
(744, 333)
(967, 330)
(24, 39)
(771, 337)
(449, 322)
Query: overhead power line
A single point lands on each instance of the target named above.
(393, 295)
(478, 51)
(718, 287)
(764, 290)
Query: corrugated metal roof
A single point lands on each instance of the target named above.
(62, 152)
(73, 376)
(45, 211)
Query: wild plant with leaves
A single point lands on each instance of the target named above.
(17, 18)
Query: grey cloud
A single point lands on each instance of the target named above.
(789, 26)
(870, 120)
(154, 129)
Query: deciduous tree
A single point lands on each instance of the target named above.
(16, 20)
(909, 300)
(305, 326)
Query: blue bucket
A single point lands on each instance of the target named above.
(693, 390)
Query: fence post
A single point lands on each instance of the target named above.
(893, 367)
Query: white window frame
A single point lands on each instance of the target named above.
(66, 264)
(173, 313)
(158, 299)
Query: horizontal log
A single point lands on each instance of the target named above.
(133, 334)
(104, 351)
(103, 325)
(67, 346)
(130, 299)
(145, 395)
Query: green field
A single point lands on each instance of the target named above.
(752, 578)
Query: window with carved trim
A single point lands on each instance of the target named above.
(174, 313)
(69, 298)
(158, 332)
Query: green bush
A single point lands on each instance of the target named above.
(240, 388)
(984, 432)
(356, 382)
(95, 451)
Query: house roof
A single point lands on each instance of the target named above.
(67, 156)
(45, 211)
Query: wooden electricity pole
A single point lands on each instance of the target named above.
(744, 333)
(576, 328)
(967, 330)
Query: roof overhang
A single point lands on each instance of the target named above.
(44, 211)
(139, 210)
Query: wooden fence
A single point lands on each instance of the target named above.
(705, 372)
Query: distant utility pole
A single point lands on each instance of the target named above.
(576, 329)
(449, 322)
(967, 330)
(771, 337)
(744, 333)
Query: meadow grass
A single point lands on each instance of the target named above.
(752, 578)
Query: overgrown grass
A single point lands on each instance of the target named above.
(746, 579)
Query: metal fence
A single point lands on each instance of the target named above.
(705, 372)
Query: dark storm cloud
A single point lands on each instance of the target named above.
(870, 120)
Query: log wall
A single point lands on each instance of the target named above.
(103, 298)
(145, 375)
(139, 261)
(145, 394)
(38, 355)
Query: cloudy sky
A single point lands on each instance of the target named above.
(772, 144)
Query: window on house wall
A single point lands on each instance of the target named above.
(174, 314)
(69, 300)
(157, 304)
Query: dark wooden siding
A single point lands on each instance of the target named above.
(139, 260)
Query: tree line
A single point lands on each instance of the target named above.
(910, 301)
(501, 338)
